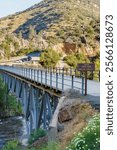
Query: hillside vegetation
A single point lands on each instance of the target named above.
(9, 106)
(65, 26)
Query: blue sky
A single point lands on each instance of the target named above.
(8, 7)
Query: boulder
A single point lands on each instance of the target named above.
(65, 114)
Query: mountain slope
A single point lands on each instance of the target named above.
(65, 25)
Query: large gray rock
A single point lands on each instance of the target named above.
(65, 114)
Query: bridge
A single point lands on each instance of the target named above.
(39, 91)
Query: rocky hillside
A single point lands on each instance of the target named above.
(63, 25)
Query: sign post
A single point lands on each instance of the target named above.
(85, 82)
(84, 67)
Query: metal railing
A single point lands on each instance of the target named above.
(92, 75)
(59, 79)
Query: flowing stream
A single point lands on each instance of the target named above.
(13, 128)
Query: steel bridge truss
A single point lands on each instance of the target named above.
(37, 104)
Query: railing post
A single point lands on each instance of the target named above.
(59, 70)
(85, 82)
(82, 85)
(72, 81)
(75, 72)
(56, 81)
(92, 75)
(28, 74)
(66, 71)
(31, 74)
(62, 82)
(50, 79)
(45, 77)
(70, 71)
(80, 74)
(41, 77)
(37, 75)
(99, 75)
(48, 70)
(24, 72)
(63, 71)
(34, 75)
(52, 69)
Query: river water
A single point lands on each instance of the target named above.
(13, 128)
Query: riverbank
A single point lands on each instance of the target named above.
(13, 128)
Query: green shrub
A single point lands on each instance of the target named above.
(24, 51)
(8, 103)
(13, 106)
(61, 33)
(97, 64)
(12, 145)
(51, 146)
(6, 48)
(49, 58)
(16, 45)
(82, 58)
(3, 91)
(15, 145)
(71, 60)
(97, 68)
(35, 135)
(89, 138)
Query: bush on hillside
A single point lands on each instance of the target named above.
(35, 135)
(51, 146)
(8, 103)
(82, 58)
(13, 106)
(15, 145)
(12, 145)
(3, 91)
(73, 59)
(49, 58)
(24, 51)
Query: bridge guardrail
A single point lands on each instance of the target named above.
(58, 79)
